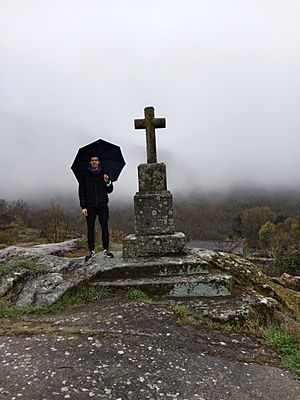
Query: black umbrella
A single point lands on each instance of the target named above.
(110, 157)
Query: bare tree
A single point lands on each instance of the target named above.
(53, 223)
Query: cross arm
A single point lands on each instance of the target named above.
(140, 124)
(159, 122)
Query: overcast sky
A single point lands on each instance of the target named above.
(224, 73)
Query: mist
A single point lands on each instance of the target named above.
(225, 75)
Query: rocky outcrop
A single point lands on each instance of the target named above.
(221, 286)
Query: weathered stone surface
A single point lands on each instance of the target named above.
(154, 245)
(175, 286)
(288, 281)
(154, 213)
(134, 268)
(35, 251)
(235, 310)
(152, 177)
(251, 292)
(150, 123)
(43, 291)
(9, 281)
(118, 348)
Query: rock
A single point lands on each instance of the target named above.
(9, 281)
(291, 281)
(288, 281)
(249, 293)
(154, 245)
(43, 291)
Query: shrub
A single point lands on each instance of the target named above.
(8, 236)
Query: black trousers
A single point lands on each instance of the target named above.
(103, 215)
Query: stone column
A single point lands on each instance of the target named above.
(153, 203)
(154, 223)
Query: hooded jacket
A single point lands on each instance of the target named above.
(93, 190)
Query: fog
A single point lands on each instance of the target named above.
(224, 74)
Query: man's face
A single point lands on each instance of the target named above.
(94, 162)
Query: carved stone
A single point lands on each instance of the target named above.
(150, 123)
(152, 177)
(154, 213)
(153, 204)
(154, 245)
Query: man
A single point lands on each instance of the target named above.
(94, 187)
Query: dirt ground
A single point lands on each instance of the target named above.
(127, 349)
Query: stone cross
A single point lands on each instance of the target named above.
(150, 124)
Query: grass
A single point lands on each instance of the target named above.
(252, 327)
(182, 311)
(284, 339)
(287, 344)
(9, 311)
(186, 315)
(18, 265)
(29, 235)
(84, 295)
(136, 294)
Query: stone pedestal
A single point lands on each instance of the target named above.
(154, 224)
(153, 213)
(153, 245)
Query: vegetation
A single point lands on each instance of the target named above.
(136, 294)
(18, 265)
(287, 344)
(253, 218)
(284, 339)
(282, 243)
(83, 295)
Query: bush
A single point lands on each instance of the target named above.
(288, 260)
(282, 241)
(252, 220)
(8, 236)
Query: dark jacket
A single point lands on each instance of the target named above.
(93, 190)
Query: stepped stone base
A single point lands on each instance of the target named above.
(177, 276)
(154, 245)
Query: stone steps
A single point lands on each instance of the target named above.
(157, 270)
(211, 285)
(119, 268)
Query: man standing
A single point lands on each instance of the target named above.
(94, 187)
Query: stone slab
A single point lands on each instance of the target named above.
(154, 245)
(143, 267)
(177, 286)
(154, 213)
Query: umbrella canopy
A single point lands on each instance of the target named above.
(109, 154)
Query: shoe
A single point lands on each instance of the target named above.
(89, 256)
(107, 254)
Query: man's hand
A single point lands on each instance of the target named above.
(84, 212)
(106, 178)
